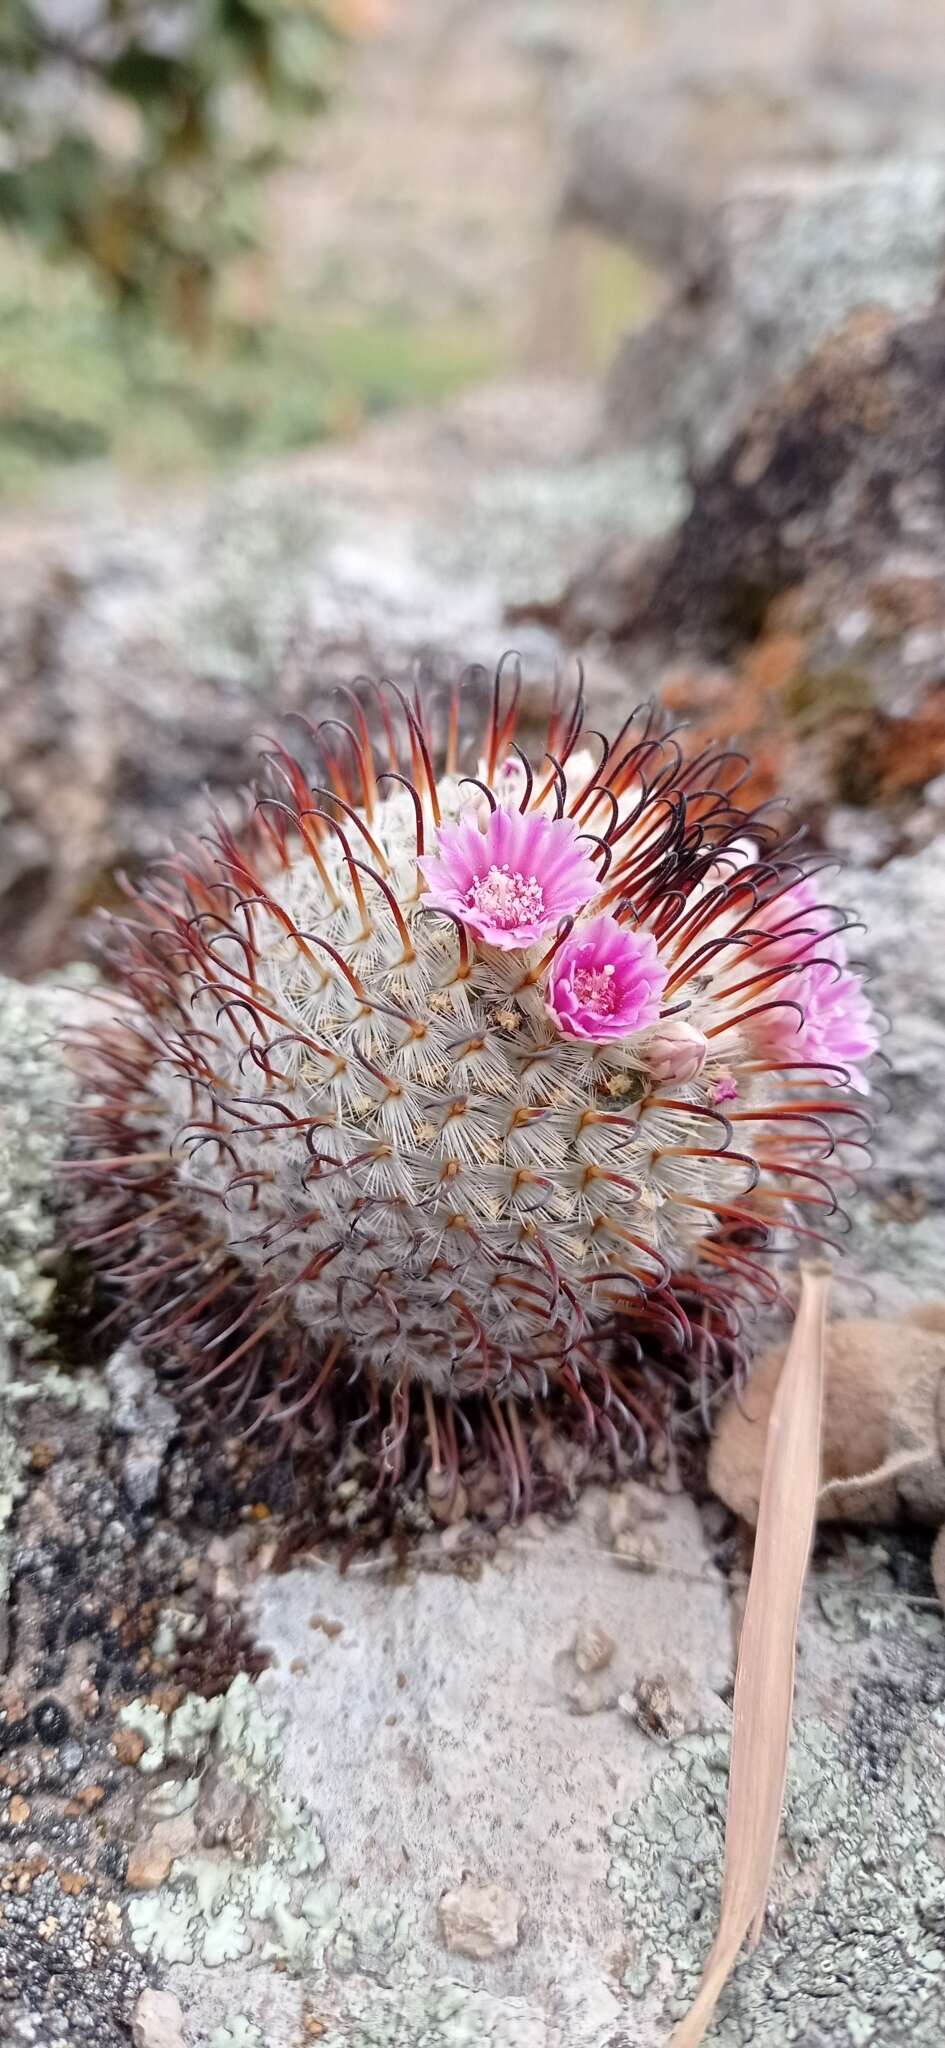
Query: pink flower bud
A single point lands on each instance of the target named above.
(676, 1052)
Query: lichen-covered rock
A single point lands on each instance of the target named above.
(653, 143)
(896, 1247)
(851, 1955)
(800, 604)
(34, 1093)
(839, 465)
(790, 254)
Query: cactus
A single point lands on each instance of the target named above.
(463, 1104)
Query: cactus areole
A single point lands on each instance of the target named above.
(462, 1099)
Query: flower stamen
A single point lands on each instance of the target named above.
(507, 898)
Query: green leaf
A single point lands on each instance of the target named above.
(145, 75)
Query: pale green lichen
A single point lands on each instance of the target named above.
(74, 1392)
(853, 1948)
(221, 1905)
(442, 2014)
(259, 1901)
(238, 2032)
(149, 1722)
(34, 1086)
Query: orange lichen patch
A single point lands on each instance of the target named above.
(12, 1704)
(19, 1877)
(900, 603)
(91, 1795)
(148, 1864)
(18, 1811)
(696, 689)
(129, 1746)
(775, 704)
(912, 752)
(774, 661)
(167, 1698)
(73, 1882)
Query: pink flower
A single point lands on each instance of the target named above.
(837, 1026)
(512, 882)
(605, 982)
(676, 1052)
(802, 924)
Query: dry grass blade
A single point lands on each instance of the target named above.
(764, 1680)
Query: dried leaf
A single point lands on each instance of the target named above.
(764, 1680)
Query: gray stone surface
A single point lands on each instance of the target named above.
(421, 1719)
(144, 1416)
(716, 89)
(34, 1095)
(793, 252)
(897, 1247)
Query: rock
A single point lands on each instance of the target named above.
(487, 1707)
(637, 1553)
(149, 1863)
(884, 1405)
(896, 1248)
(794, 255)
(800, 604)
(593, 1648)
(479, 1920)
(157, 2021)
(653, 145)
(654, 1708)
(839, 466)
(144, 1415)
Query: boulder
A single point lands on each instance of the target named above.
(779, 263)
(801, 602)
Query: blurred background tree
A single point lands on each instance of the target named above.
(134, 134)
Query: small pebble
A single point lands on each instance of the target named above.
(328, 1628)
(638, 1553)
(654, 1709)
(148, 1864)
(157, 2021)
(479, 1920)
(593, 1648)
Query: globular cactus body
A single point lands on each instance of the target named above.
(486, 1091)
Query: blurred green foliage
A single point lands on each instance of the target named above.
(77, 385)
(133, 132)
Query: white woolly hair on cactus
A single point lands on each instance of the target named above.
(462, 1102)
